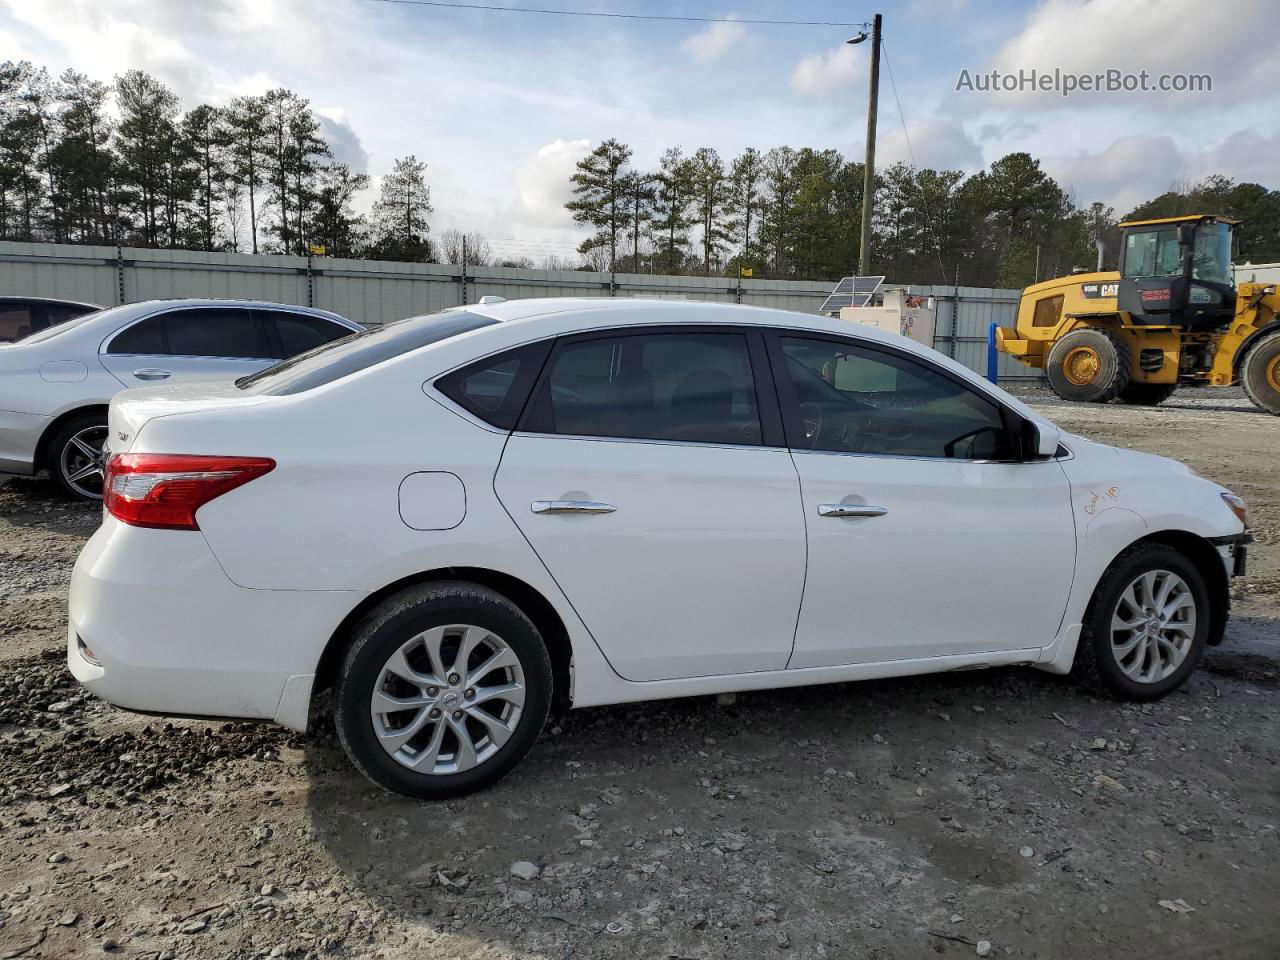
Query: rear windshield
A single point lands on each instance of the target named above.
(58, 329)
(341, 358)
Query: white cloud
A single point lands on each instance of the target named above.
(1159, 36)
(342, 138)
(938, 143)
(543, 184)
(823, 76)
(714, 41)
(1134, 169)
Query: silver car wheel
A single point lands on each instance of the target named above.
(448, 699)
(81, 461)
(1153, 626)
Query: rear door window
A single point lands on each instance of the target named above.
(692, 387)
(215, 332)
(144, 337)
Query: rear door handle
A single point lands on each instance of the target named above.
(572, 506)
(152, 373)
(850, 510)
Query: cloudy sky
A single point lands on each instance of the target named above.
(501, 105)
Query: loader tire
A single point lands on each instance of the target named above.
(1260, 373)
(1089, 366)
(1147, 394)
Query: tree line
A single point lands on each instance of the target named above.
(796, 214)
(82, 161)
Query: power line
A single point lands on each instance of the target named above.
(902, 118)
(495, 8)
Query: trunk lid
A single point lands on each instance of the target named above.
(132, 409)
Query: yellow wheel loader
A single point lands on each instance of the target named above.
(1171, 316)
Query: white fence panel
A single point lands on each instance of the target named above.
(375, 292)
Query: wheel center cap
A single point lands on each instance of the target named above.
(450, 700)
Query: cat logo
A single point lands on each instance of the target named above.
(1099, 291)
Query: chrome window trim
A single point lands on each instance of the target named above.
(663, 443)
(898, 456)
(428, 388)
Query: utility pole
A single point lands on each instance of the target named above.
(869, 164)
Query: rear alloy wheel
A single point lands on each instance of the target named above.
(76, 460)
(1146, 626)
(1260, 373)
(444, 689)
(1088, 365)
(1147, 394)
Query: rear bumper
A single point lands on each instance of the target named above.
(19, 435)
(154, 625)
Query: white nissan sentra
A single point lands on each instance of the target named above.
(459, 520)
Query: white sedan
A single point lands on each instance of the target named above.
(458, 521)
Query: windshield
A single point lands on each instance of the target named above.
(341, 358)
(60, 328)
(1155, 253)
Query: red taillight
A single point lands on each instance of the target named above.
(165, 490)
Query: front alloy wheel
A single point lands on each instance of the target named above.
(1146, 626)
(1152, 626)
(444, 688)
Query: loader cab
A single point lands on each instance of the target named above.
(1177, 271)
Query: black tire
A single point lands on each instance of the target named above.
(1147, 394)
(394, 622)
(1095, 666)
(61, 452)
(1112, 369)
(1260, 373)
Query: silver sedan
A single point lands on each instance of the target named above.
(55, 385)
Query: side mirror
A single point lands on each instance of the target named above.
(1186, 234)
(1039, 440)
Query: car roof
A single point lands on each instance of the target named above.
(558, 316)
(548, 312)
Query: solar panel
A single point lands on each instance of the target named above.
(851, 292)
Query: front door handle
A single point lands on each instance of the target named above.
(572, 506)
(152, 373)
(850, 510)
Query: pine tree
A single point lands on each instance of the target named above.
(21, 199)
(83, 156)
(671, 221)
(600, 197)
(711, 199)
(640, 190)
(144, 141)
(246, 131)
(336, 225)
(745, 179)
(775, 225)
(400, 213)
(204, 131)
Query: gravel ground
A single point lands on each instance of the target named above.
(1000, 813)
